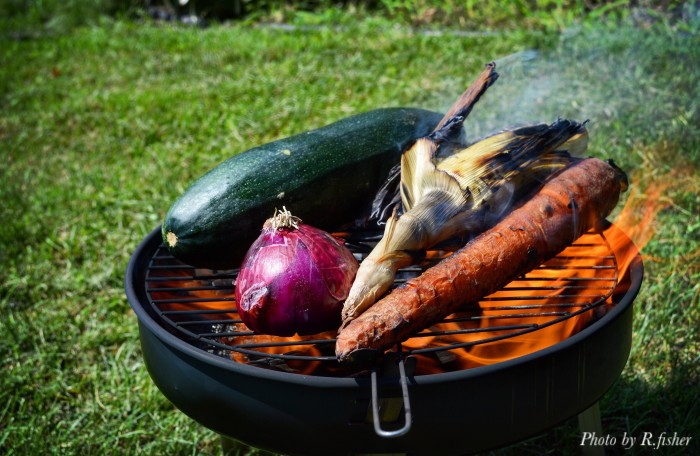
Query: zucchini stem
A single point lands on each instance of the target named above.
(171, 239)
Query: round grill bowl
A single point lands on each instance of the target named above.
(453, 413)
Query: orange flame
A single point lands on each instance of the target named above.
(634, 226)
(585, 272)
(533, 311)
(189, 296)
(637, 217)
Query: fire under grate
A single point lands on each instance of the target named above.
(570, 290)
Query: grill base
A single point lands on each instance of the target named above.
(457, 412)
(472, 411)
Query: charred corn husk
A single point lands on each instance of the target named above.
(463, 193)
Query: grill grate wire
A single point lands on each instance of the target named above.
(198, 305)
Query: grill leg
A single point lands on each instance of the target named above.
(589, 421)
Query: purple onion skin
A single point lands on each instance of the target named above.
(294, 280)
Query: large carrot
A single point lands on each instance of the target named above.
(568, 205)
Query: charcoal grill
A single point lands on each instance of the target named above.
(428, 396)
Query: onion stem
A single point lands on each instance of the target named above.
(284, 219)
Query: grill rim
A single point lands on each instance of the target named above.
(134, 284)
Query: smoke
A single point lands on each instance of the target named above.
(536, 87)
(609, 76)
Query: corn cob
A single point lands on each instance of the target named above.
(465, 192)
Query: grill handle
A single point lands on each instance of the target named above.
(406, 403)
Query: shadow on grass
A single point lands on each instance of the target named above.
(638, 408)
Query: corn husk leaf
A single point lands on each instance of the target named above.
(463, 193)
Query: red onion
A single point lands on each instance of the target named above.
(293, 279)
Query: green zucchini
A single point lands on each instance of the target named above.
(328, 177)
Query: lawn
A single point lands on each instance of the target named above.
(103, 126)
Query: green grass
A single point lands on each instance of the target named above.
(102, 127)
(26, 18)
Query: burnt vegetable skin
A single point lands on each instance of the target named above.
(565, 207)
(328, 175)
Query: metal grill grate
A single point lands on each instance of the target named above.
(198, 306)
